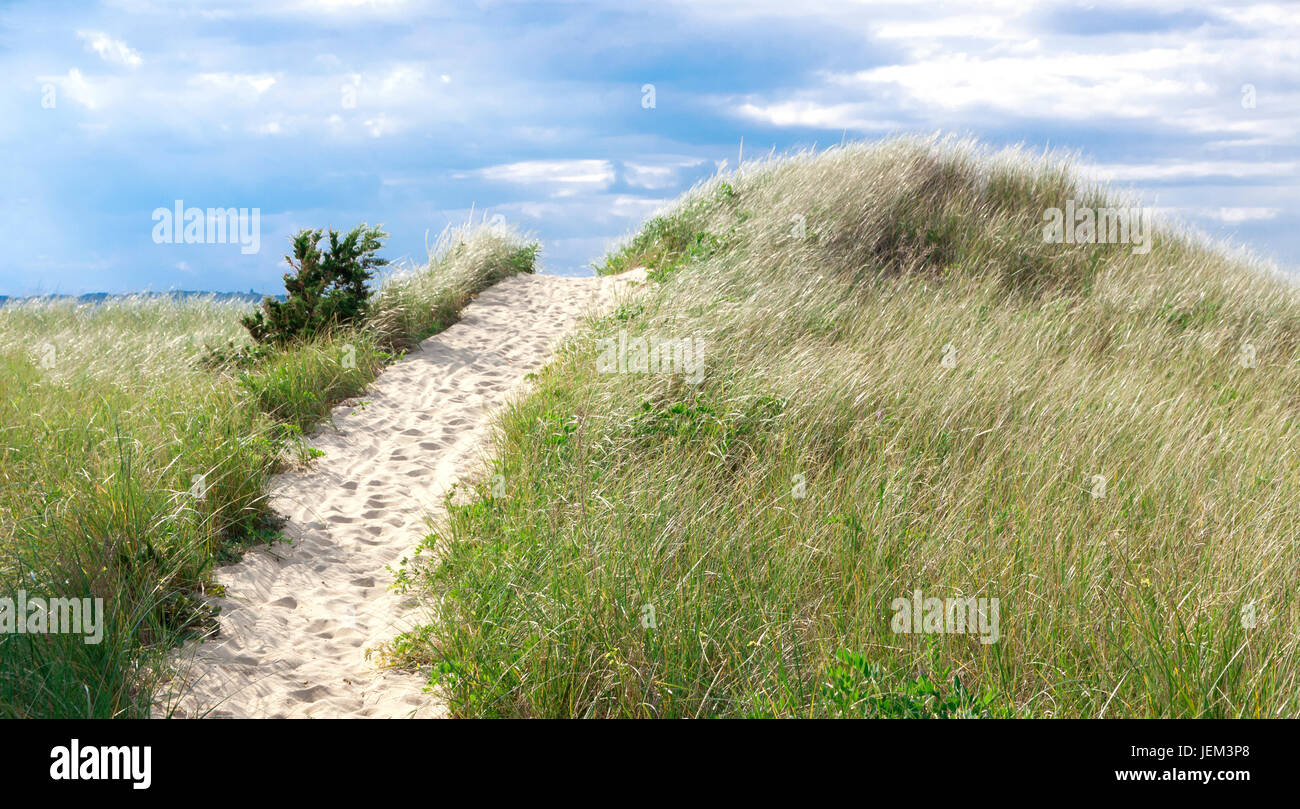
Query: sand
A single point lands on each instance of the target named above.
(296, 619)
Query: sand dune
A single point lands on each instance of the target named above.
(297, 618)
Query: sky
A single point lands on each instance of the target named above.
(577, 120)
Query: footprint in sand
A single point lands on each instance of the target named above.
(275, 654)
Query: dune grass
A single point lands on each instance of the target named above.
(905, 388)
(411, 305)
(135, 458)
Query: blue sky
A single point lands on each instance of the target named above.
(333, 112)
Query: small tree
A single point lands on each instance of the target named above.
(325, 290)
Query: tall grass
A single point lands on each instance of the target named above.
(734, 548)
(411, 305)
(131, 463)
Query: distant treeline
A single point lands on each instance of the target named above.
(179, 294)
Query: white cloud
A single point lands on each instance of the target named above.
(350, 5)
(566, 177)
(859, 117)
(659, 174)
(1187, 170)
(621, 209)
(962, 66)
(91, 95)
(382, 125)
(401, 81)
(1263, 16)
(979, 26)
(245, 84)
(1236, 215)
(114, 51)
(1073, 86)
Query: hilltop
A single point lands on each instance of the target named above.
(936, 462)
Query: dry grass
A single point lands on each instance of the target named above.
(109, 412)
(413, 304)
(825, 368)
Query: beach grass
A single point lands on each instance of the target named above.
(906, 392)
(137, 440)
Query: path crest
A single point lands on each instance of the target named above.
(296, 619)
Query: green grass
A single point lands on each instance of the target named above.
(107, 415)
(830, 462)
(301, 386)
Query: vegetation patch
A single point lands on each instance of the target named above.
(139, 436)
(907, 388)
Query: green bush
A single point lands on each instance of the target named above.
(326, 290)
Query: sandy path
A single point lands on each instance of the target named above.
(297, 618)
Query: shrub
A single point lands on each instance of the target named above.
(326, 290)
